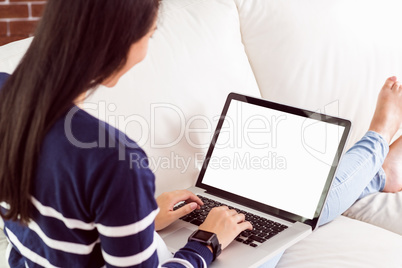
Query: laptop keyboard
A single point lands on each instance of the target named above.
(263, 229)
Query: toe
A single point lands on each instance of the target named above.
(390, 82)
(396, 86)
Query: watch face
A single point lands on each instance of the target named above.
(203, 235)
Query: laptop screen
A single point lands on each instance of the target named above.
(275, 155)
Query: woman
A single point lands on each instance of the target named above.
(83, 207)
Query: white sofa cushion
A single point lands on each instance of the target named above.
(195, 59)
(345, 243)
(11, 54)
(324, 54)
(380, 209)
(3, 247)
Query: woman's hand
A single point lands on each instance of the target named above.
(226, 224)
(166, 201)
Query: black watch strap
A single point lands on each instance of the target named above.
(209, 239)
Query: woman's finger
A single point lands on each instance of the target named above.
(178, 213)
(239, 218)
(185, 195)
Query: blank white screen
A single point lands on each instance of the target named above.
(272, 157)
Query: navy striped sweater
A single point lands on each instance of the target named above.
(92, 206)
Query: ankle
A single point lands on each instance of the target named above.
(386, 136)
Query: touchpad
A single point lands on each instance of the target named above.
(177, 239)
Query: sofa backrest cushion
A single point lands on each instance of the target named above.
(332, 56)
(11, 54)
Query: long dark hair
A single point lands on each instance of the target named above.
(77, 45)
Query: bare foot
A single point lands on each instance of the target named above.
(393, 167)
(388, 113)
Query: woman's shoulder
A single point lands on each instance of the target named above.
(81, 131)
(83, 144)
(90, 159)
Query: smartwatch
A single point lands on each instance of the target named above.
(209, 239)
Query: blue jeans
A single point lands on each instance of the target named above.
(359, 174)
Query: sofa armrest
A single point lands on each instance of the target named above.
(380, 209)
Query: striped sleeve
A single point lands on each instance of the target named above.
(193, 254)
(124, 210)
(125, 220)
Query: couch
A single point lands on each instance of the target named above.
(322, 55)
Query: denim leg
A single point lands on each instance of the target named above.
(377, 184)
(359, 174)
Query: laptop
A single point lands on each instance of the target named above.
(272, 162)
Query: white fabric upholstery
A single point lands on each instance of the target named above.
(380, 209)
(3, 247)
(345, 243)
(11, 54)
(324, 54)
